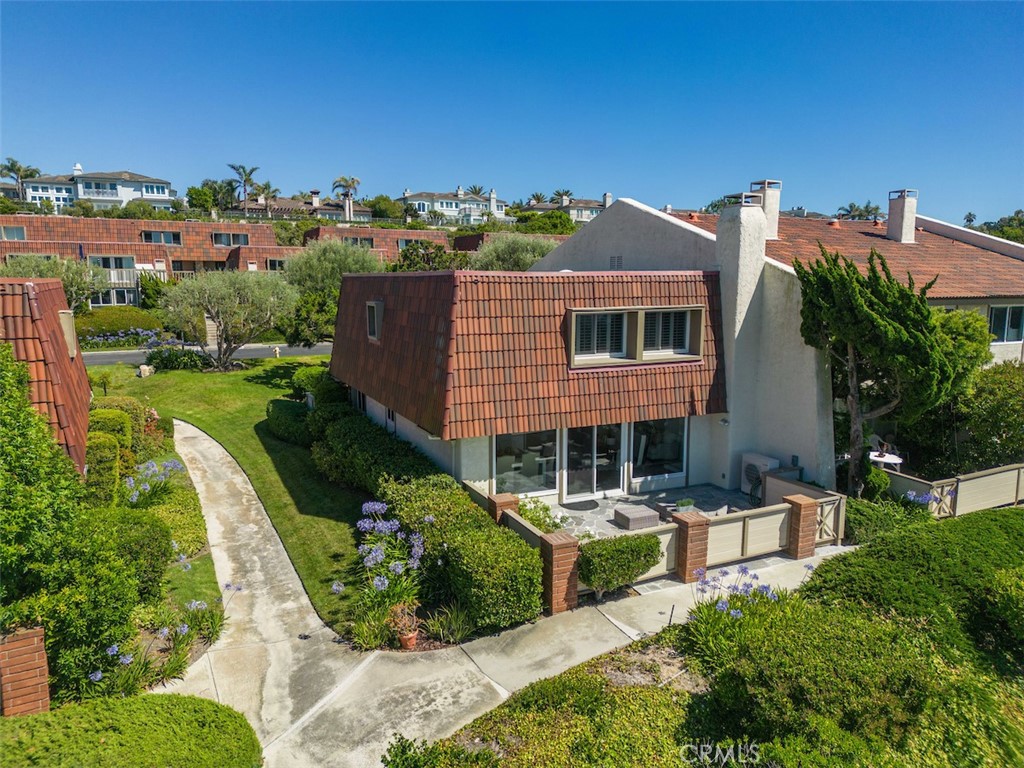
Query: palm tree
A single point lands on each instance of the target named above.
(269, 193)
(538, 197)
(244, 179)
(969, 219)
(850, 211)
(869, 211)
(475, 189)
(347, 184)
(11, 168)
(435, 217)
(558, 194)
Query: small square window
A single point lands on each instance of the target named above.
(374, 316)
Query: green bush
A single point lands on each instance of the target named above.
(140, 732)
(103, 459)
(876, 483)
(166, 425)
(866, 520)
(1007, 601)
(178, 359)
(317, 380)
(142, 540)
(322, 416)
(405, 753)
(939, 573)
(286, 420)
(608, 564)
(183, 514)
(112, 422)
(111, 320)
(136, 411)
(538, 514)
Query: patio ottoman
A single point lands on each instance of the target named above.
(635, 517)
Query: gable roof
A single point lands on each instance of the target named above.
(67, 178)
(289, 205)
(58, 384)
(468, 354)
(965, 270)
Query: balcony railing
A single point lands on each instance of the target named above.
(122, 277)
(99, 193)
(182, 274)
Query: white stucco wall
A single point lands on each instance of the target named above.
(1007, 350)
(699, 448)
(473, 462)
(644, 238)
(441, 452)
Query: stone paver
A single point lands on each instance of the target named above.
(314, 701)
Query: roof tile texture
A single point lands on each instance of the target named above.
(58, 384)
(468, 354)
(964, 271)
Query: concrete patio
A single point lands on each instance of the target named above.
(595, 518)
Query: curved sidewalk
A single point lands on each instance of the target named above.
(315, 702)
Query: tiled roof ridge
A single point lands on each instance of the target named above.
(450, 355)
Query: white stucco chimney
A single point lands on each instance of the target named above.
(261, 200)
(902, 215)
(771, 194)
(348, 207)
(607, 200)
(667, 208)
(77, 170)
(564, 201)
(460, 192)
(316, 197)
(407, 192)
(492, 201)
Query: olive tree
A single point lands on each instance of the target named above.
(511, 253)
(242, 305)
(80, 279)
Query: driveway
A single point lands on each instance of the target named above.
(314, 701)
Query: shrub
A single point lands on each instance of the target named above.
(113, 320)
(1007, 601)
(450, 624)
(166, 425)
(183, 514)
(405, 753)
(938, 573)
(876, 483)
(136, 411)
(178, 359)
(142, 540)
(538, 514)
(102, 456)
(322, 416)
(286, 420)
(132, 732)
(866, 520)
(608, 564)
(112, 422)
(317, 380)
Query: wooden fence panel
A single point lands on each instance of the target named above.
(752, 532)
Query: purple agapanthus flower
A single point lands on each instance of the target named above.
(113, 650)
(397, 567)
(134, 497)
(388, 526)
(428, 519)
(376, 557)
(743, 570)
(700, 573)
(736, 613)
(130, 482)
(183, 629)
(186, 567)
(809, 567)
(723, 573)
(125, 659)
(374, 508)
(365, 524)
(96, 676)
(380, 583)
(722, 605)
(163, 633)
(337, 587)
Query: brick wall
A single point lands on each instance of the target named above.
(803, 526)
(23, 673)
(385, 241)
(691, 545)
(560, 552)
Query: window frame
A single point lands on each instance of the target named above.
(175, 237)
(1008, 311)
(634, 352)
(378, 319)
(4, 233)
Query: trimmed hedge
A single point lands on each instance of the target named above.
(102, 456)
(136, 412)
(183, 514)
(139, 732)
(867, 520)
(143, 540)
(608, 564)
(1007, 601)
(286, 420)
(116, 423)
(107, 320)
(941, 573)
(317, 380)
(468, 559)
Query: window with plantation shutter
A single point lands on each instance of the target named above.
(636, 335)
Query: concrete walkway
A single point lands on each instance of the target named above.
(315, 702)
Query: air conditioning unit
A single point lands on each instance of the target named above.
(755, 465)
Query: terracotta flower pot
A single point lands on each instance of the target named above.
(408, 642)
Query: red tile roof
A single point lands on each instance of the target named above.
(965, 271)
(468, 354)
(58, 384)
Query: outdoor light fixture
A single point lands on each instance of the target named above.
(724, 422)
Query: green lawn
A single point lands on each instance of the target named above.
(197, 583)
(315, 518)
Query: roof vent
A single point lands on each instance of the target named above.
(877, 224)
(834, 223)
(693, 216)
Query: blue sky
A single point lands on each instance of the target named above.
(666, 103)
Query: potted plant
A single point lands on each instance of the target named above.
(406, 623)
(684, 505)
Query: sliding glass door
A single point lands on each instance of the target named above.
(594, 460)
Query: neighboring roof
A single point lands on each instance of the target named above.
(105, 175)
(468, 354)
(466, 197)
(287, 204)
(585, 203)
(58, 383)
(964, 270)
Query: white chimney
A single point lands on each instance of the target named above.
(492, 201)
(565, 201)
(261, 200)
(77, 170)
(407, 192)
(348, 207)
(902, 215)
(316, 197)
(460, 192)
(607, 199)
(667, 208)
(771, 193)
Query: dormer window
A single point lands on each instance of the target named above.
(634, 335)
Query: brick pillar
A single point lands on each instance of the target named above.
(691, 544)
(23, 673)
(803, 526)
(499, 503)
(560, 552)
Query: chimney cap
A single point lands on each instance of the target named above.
(758, 186)
(744, 198)
(314, 191)
(896, 194)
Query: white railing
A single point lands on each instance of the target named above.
(122, 277)
(181, 274)
(99, 193)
